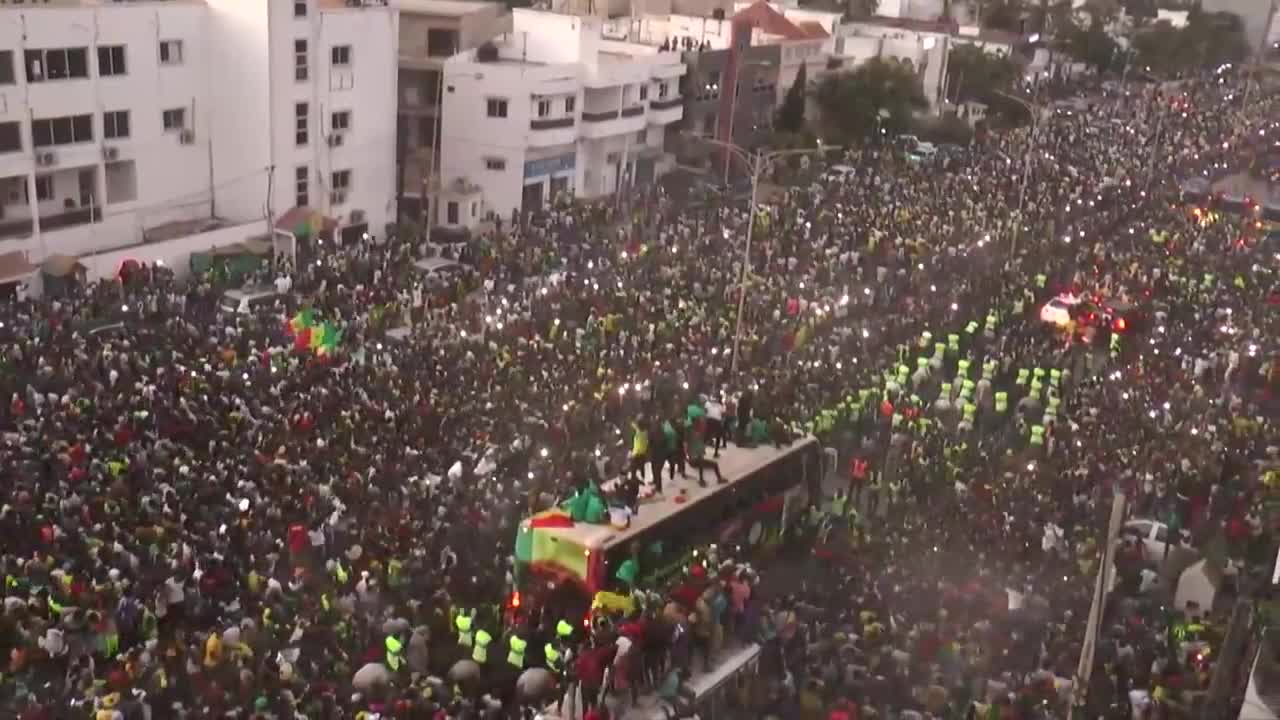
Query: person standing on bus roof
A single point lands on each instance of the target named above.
(696, 451)
(673, 431)
(659, 452)
(715, 425)
(639, 449)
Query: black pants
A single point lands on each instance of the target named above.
(656, 461)
(715, 435)
(703, 464)
(636, 468)
(676, 462)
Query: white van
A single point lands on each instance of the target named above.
(246, 302)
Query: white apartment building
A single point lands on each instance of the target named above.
(549, 108)
(431, 32)
(142, 121)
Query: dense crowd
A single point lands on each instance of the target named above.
(202, 518)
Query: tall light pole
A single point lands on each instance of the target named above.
(1026, 166)
(758, 163)
(733, 105)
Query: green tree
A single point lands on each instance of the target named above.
(1207, 41)
(1002, 15)
(1093, 46)
(974, 74)
(879, 93)
(791, 114)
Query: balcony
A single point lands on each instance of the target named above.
(607, 123)
(666, 111)
(69, 218)
(545, 132)
(551, 123)
(16, 228)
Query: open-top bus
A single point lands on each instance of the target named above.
(766, 490)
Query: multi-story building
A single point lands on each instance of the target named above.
(741, 91)
(431, 31)
(553, 107)
(128, 122)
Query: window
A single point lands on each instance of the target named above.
(341, 55)
(300, 60)
(44, 188)
(340, 184)
(644, 93)
(10, 137)
(426, 131)
(570, 103)
(299, 8)
(64, 130)
(57, 64)
(451, 213)
(300, 124)
(340, 121)
(544, 108)
(495, 164)
(115, 124)
(663, 89)
(175, 119)
(642, 136)
(111, 60)
(496, 108)
(301, 182)
(170, 52)
(6, 67)
(441, 42)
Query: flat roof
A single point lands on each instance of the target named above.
(447, 8)
(736, 463)
(33, 5)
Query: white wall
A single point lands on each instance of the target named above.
(173, 179)
(241, 133)
(368, 92)
(174, 254)
(469, 135)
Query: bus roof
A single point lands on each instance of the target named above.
(736, 463)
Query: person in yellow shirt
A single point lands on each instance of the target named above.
(213, 650)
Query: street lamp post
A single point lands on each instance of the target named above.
(733, 105)
(1026, 167)
(758, 163)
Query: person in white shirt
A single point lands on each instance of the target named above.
(715, 425)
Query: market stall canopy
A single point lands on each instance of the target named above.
(14, 266)
(59, 265)
(303, 221)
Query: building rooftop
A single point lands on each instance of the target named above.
(762, 16)
(943, 27)
(33, 5)
(445, 8)
(350, 4)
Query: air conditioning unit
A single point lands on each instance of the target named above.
(357, 217)
(110, 153)
(338, 197)
(46, 159)
(186, 137)
(335, 140)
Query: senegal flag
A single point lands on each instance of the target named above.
(325, 338)
(303, 320)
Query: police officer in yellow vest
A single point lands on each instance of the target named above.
(515, 657)
(480, 653)
(395, 653)
(463, 623)
(1002, 402)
